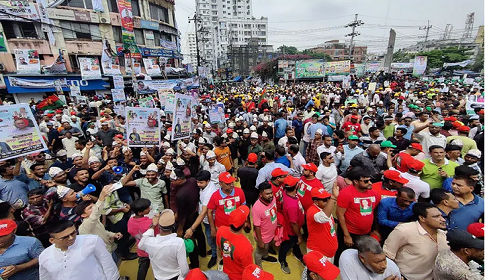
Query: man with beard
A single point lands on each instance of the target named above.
(433, 137)
(454, 262)
(472, 159)
(414, 246)
(266, 128)
(79, 161)
(151, 187)
(37, 178)
(307, 183)
(82, 179)
(88, 259)
(265, 223)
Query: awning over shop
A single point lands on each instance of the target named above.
(48, 84)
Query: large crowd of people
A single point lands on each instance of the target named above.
(356, 183)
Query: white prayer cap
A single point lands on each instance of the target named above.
(246, 131)
(75, 155)
(252, 128)
(152, 167)
(180, 161)
(319, 131)
(254, 135)
(210, 154)
(93, 159)
(54, 171)
(264, 134)
(170, 152)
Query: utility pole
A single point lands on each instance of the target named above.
(196, 20)
(353, 24)
(427, 28)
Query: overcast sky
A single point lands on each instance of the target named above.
(303, 17)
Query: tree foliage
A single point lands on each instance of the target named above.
(287, 49)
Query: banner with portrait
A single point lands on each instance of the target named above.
(181, 117)
(90, 69)
(143, 126)
(28, 61)
(420, 63)
(151, 66)
(118, 82)
(118, 94)
(19, 133)
(136, 65)
(111, 67)
(334, 68)
(147, 102)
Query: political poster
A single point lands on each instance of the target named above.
(310, 68)
(346, 82)
(132, 65)
(170, 103)
(372, 86)
(182, 117)
(147, 102)
(90, 69)
(335, 68)
(75, 91)
(126, 16)
(216, 113)
(372, 66)
(151, 66)
(474, 101)
(119, 110)
(18, 10)
(118, 82)
(118, 94)
(28, 61)
(143, 126)
(194, 93)
(19, 133)
(401, 65)
(111, 66)
(150, 86)
(420, 63)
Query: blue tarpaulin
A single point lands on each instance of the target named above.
(238, 79)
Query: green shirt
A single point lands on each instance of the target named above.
(430, 173)
(111, 202)
(388, 131)
(154, 193)
(468, 143)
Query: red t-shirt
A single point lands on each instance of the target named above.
(225, 205)
(401, 161)
(383, 193)
(237, 252)
(360, 209)
(353, 127)
(304, 191)
(321, 237)
(278, 194)
(293, 212)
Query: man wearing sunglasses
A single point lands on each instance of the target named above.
(75, 257)
(355, 210)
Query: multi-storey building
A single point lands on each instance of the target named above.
(341, 51)
(224, 24)
(79, 30)
(189, 48)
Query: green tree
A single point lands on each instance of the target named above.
(287, 49)
(401, 56)
(478, 65)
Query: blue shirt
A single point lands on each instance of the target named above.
(314, 127)
(389, 214)
(348, 156)
(14, 191)
(280, 128)
(31, 183)
(283, 160)
(22, 250)
(264, 173)
(467, 214)
(409, 133)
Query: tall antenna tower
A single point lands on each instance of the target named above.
(470, 18)
(447, 34)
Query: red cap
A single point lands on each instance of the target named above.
(266, 110)
(7, 227)
(318, 263)
(73, 113)
(291, 181)
(320, 193)
(476, 229)
(310, 166)
(195, 274)
(229, 130)
(50, 115)
(252, 158)
(101, 114)
(277, 172)
(58, 111)
(481, 112)
(226, 177)
(239, 216)
(253, 271)
(450, 119)
(463, 128)
(354, 117)
(119, 136)
(416, 146)
(169, 129)
(395, 175)
(456, 124)
(415, 165)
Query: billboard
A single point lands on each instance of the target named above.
(335, 68)
(310, 68)
(420, 63)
